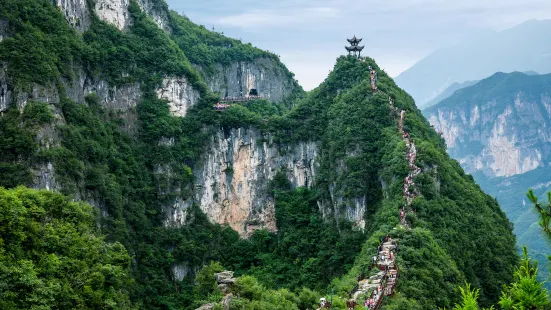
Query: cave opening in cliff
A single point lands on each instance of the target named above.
(253, 92)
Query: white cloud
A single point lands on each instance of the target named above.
(310, 34)
(277, 18)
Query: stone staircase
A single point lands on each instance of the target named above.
(383, 283)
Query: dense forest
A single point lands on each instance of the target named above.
(50, 244)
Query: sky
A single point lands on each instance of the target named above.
(310, 34)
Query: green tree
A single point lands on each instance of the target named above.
(205, 283)
(526, 292)
(470, 299)
(52, 256)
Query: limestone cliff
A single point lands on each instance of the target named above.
(114, 12)
(232, 178)
(501, 132)
(264, 76)
(3, 29)
(179, 93)
(76, 12)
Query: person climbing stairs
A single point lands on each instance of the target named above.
(384, 282)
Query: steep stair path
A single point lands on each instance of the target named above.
(383, 283)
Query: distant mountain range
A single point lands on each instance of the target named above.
(449, 91)
(499, 129)
(524, 47)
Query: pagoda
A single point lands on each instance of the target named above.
(354, 47)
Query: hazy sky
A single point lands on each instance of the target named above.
(310, 34)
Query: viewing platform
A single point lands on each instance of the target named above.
(228, 101)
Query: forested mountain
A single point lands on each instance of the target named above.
(498, 130)
(110, 103)
(521, 48)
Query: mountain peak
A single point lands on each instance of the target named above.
(521, 48)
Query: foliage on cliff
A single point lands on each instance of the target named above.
(17, 143)
(306, 252)
(511, 110)
(53, 257)
(207, 48)
(525, 292)
(364, 159)
(96, 159)
(125, 173)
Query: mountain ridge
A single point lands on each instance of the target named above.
(498, 131)
(520, 48)
(312, 180)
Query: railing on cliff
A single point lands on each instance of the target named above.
(228, 101)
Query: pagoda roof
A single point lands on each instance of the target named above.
(354, 40)
(354, 48)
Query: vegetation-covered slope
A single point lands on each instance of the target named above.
(494, 129)
(362, 156)
(350, 119)
(53, 257)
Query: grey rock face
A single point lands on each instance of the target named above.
(45, 177)
(223, 276)
(159, 15)
(226, 301)
(206, 307)
(122, 98)
(180, 95)
(115, 12)
(42, 93)
(238, 79)
(231, 179)
(5, 88)
(4, 29)
(76, 12)
(180, 271)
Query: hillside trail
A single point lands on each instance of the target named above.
(376, 287)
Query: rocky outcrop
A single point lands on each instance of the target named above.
(5, 88)
(497, 137)
(3, 29)
(180, 95)
(180, 271)
(225, 277)
(232, 178)
(47, 137)
(42, 93)
(115, 12)
(120, 98)
(158, 14)
(224, 280)
(264, 75)
(76, 12)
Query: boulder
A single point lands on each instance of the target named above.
(206, 307)
(223, 288)
(227, 301)
(224, 276)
